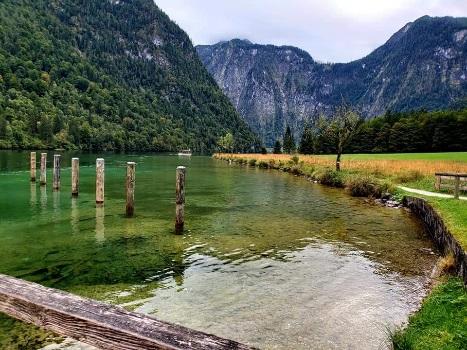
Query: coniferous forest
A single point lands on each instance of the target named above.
(106, 75)
(416, 131)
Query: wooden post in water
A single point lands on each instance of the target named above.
(180, 199)
(457, 182)
(33, 166)
(99, 180)
(56, 172)
(74, 177)
(130, 188)
(43, 178)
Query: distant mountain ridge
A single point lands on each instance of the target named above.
(423, 65)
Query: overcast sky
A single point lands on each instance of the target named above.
(330, 30)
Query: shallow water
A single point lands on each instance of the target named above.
(268, 259)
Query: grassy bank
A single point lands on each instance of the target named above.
(441, 323)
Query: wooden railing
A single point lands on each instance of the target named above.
(95, 323)
(456, 177)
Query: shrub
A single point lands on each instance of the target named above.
(263, 164)
(331, 178)
(367, 186)
(363, 186)
(252, 162)
(295, 160)
(413, 175)
(296, 170)
(272, 164)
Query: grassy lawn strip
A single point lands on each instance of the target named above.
(441, 323)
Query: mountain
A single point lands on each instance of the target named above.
(423, 65)
(106, 75)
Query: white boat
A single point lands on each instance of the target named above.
(185, 152)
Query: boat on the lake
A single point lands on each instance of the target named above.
(185, 152)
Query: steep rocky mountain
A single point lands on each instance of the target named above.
(423, 65)
(106, 75)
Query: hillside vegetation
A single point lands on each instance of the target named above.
(106, 75)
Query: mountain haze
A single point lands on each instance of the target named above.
(106, 75)
(423, 65)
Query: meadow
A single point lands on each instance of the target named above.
(427, 164)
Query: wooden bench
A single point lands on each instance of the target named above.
(456, 180)
(102, 325)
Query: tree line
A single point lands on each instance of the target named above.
(416, 131)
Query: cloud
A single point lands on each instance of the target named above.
(331, 31)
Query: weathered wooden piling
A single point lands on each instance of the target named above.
(75, 177)
(180, 199)
(99, 180)
(43, 178)
(33, 166)
(130, 188)
(56, 172)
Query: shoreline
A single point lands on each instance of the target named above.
(453, 257)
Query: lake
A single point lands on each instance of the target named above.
(267, 258)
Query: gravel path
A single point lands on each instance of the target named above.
(430, 194)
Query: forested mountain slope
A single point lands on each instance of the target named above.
(106, 75)
(423, 65)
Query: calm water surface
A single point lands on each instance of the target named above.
(268, 259)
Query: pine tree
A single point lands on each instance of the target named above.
(289, 142)
(306, 142)
(277, 147)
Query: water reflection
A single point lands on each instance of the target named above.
(100, 228)
(43, 190)
(56, 205)
(74, 216)
(33, 198)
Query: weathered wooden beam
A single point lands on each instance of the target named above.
(130, 189)
(180, 199)
(451, 174)
(99, 324)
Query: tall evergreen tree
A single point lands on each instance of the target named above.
(307, 140)
(277, 147)
(289, 141)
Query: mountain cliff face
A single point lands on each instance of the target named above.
(423, 65)
(106, 75)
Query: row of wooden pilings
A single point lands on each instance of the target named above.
(100, 167)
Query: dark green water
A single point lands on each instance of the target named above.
(268, 259)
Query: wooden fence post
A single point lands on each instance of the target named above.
(438, 183)
(457, 181)
(56, 172)
(33, 166)
(99, 180)
(74, 177)
(180, 199)
(43, 178)
(130, 188)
